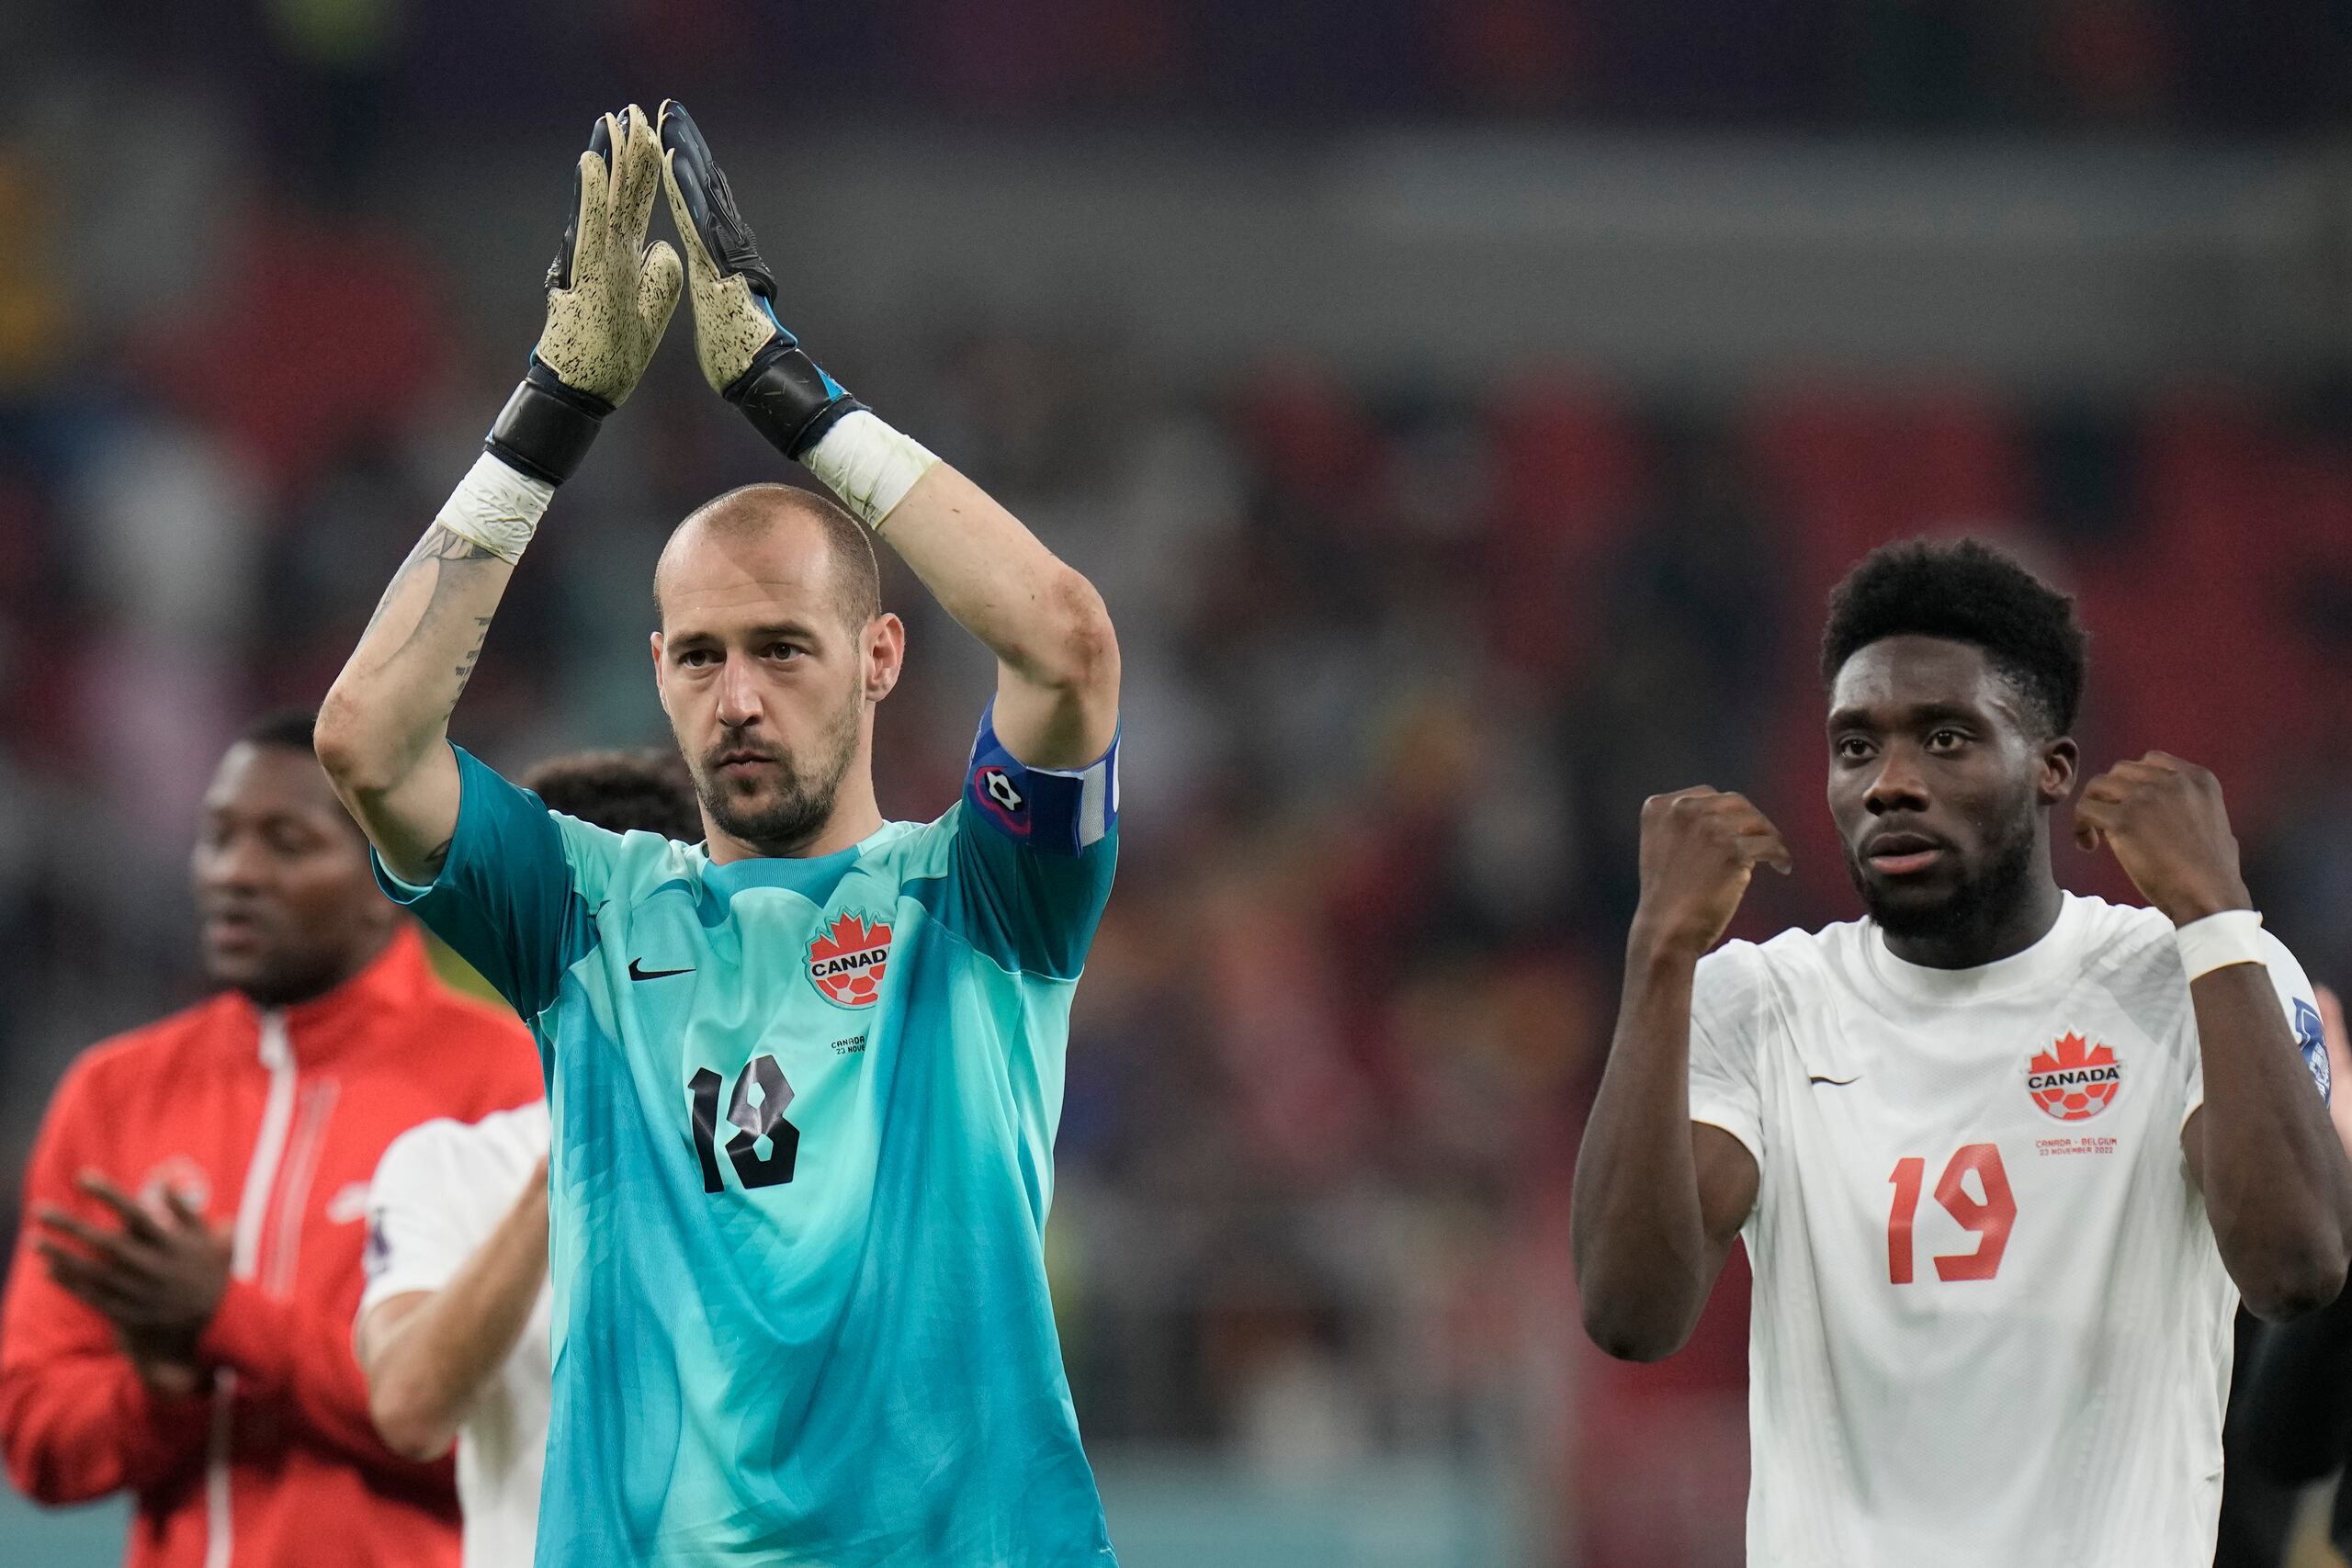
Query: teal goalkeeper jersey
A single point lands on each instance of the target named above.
(803, 1119)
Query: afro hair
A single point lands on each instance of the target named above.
(1970, 593)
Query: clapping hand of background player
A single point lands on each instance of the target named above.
(747, 354)
(2164, 819)
(158, 1280)
(1700, 846)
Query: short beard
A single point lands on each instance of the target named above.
(804, 802)
(1975, 904)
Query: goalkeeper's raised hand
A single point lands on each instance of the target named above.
(747, 354)
(1057, 661)
(609, 296)
(382, 729)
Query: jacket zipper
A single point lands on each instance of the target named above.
(298, 1172)
(244, 1259)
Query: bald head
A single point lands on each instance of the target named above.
(759, 516)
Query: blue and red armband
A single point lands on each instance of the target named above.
(1051, 810)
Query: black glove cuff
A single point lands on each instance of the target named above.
(545, 428)
(788, 400)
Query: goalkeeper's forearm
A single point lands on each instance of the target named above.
(382, 727)
(1058, 659)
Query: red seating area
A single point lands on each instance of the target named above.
(2209, 607)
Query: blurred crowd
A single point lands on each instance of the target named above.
(1401, 663)
(337, 74)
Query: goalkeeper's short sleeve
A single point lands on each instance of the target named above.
(1033, 856)
(514, 897)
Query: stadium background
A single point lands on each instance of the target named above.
(1464, 405)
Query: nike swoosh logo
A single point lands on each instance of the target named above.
(636, 973)
(1840, 1083)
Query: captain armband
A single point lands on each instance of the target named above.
(1052, 811)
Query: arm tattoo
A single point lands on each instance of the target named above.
(435, 544)
(443, 553)
(465, 671)
(442, 545)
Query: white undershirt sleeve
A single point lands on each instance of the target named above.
(416, 1232)
(1726, 1002)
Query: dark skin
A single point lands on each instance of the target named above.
(1941, 783)
(157, 1277)
(1658, 1197)
(2261, 1148)
(287, 902)
(289, 911)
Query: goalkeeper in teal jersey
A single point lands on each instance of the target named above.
(804, 1077)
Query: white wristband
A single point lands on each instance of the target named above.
(2233, 936)
(870, 466)
(496, 508)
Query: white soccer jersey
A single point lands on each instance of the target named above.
(1991, 1328)
(440, 1191)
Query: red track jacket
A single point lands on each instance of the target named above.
(270, 1122)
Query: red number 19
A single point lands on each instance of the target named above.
(1989, 1217)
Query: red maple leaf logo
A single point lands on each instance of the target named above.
(847, 962)
(2073, 1080)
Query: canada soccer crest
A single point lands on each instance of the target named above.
(847, 960)
(2073, 1080)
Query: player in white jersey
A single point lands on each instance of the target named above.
(2004, 1158)
(452, 1330)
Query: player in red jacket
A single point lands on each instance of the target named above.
(177, 1320)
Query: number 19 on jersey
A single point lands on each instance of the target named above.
(1989, 1216)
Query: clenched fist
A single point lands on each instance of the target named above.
(1698, 848)
(2165, 822)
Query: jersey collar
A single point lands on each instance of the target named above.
(2053, 958)
(813, 877)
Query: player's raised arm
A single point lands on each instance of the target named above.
(2277, 1191)
(382, 728)
(1058, 691)
(1659, 1197)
